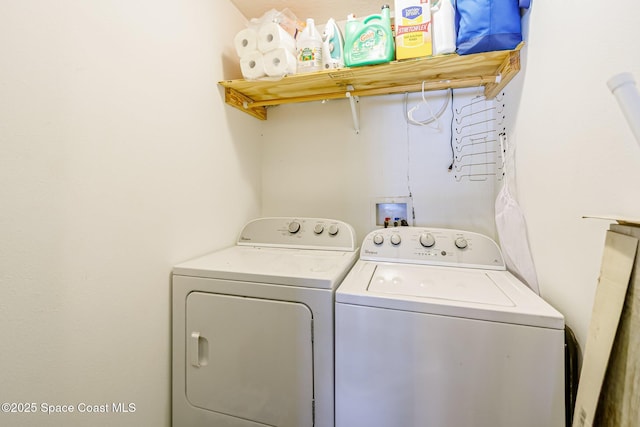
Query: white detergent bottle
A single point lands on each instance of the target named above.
(443, 27)
(309, 47)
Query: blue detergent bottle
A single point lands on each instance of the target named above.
(369, 42)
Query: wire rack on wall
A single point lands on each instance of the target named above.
(478, 154)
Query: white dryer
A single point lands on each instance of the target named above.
(432, 331)
(253, 326)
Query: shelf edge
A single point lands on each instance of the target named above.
(389, 90)
(508, 70)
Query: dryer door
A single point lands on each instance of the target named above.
(250, 358)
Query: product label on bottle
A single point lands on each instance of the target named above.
(310, 57)
(370, 45)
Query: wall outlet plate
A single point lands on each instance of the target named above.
(395, 209)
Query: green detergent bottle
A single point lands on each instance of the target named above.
(369, 42)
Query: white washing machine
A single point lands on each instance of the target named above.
(253, 325)
(432, 331)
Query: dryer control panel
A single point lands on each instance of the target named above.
(432, 246)
(299, 233)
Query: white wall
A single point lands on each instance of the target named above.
(118, 159)
(575, 154)
(316, 165)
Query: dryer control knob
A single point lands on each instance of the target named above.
(294, 227)
(333, 229)
(318, 229)
(427, 240)
(378, 239)
(461, 243)
(395, 239)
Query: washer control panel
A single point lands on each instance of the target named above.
(432, 246)
(299, 233)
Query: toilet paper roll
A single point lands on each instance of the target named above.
(279, 63)
(252, 66)
(246, 41)
(272, 36)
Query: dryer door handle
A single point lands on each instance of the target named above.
(198, 350)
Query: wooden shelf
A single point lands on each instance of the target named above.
(493, 70)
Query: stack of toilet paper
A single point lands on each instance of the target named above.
(268, 50)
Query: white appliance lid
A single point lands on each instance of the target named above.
(280, 266)
(486, 295)
(473, 286)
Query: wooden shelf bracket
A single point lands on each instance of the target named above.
(244, 103)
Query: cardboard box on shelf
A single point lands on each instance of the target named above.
(413, 28)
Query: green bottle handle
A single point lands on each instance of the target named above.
(372, 17)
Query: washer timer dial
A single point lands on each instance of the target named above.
(427, 240)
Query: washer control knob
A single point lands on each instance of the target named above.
(333, 229)
(461, 243)
(378, 239)
(294, 227)
(427, 240)
(395, 239)
(318, 229)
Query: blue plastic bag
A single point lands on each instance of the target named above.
(487, 25)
